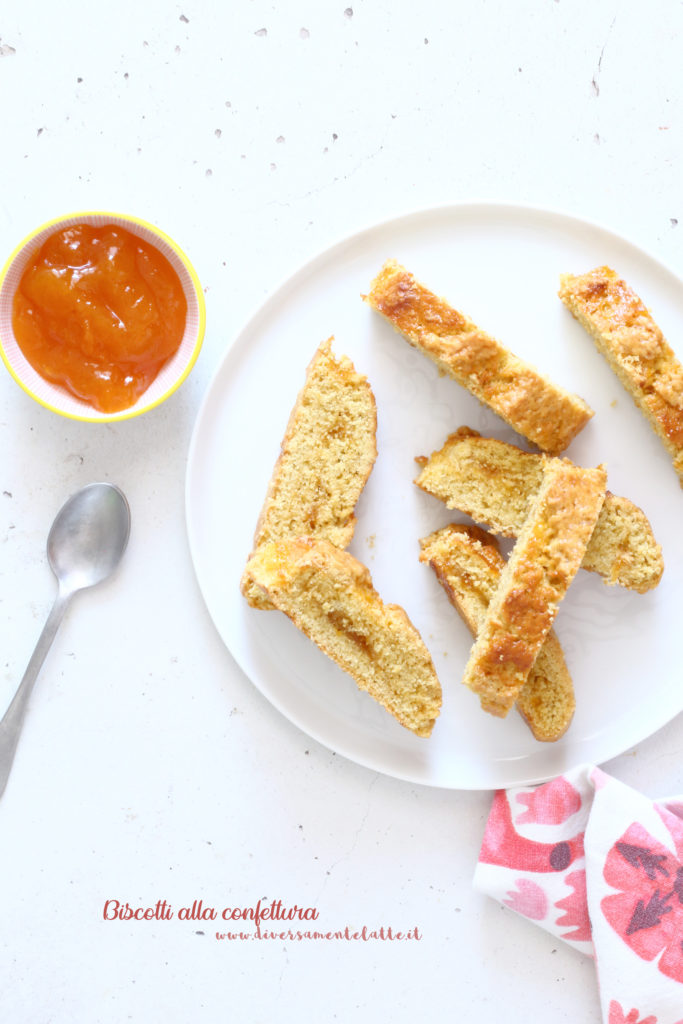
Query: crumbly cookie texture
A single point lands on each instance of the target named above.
(468, 564)
(626, 334)
(536, 408)
(330, 597)
(542, 565)
(327, 453)
(495, 483)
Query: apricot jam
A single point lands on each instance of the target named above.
(99, 311)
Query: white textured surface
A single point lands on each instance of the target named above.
(150, 768)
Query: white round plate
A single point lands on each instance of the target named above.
(500, 264)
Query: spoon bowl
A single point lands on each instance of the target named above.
(84, 546)
(88, 537)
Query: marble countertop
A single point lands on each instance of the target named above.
(151, 769)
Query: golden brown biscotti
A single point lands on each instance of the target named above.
(329, 596)
(468, 565)
(494, 483)
(543, 563)
(327, 453)
(547, 415)
(634, 346)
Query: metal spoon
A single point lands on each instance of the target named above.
(85, 544)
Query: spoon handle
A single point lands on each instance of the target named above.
(10, 726)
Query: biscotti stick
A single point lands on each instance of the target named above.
(329, 596)
(635, 348)
(468, 565)
(495, 483)
(536, 408)
(327, 453)
(544, 561)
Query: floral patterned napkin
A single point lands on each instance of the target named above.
(599, 865)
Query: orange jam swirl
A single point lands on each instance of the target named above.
(99, 311)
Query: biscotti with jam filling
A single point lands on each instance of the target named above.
(468, 564)
(330, 597)
(627, 336)
(326, 456)
(536, 577)
(495, 482)
(529, 402)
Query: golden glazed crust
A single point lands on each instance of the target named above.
(329, 596)
(544, 561)
(547, 415)
(495, 483)
(634, 346)
(468, 564)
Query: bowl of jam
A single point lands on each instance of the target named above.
(102, 316)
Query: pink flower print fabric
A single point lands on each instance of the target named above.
(647, 911)
(550, 804)
(618, 1016)
(600, 866)
(528, 899)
